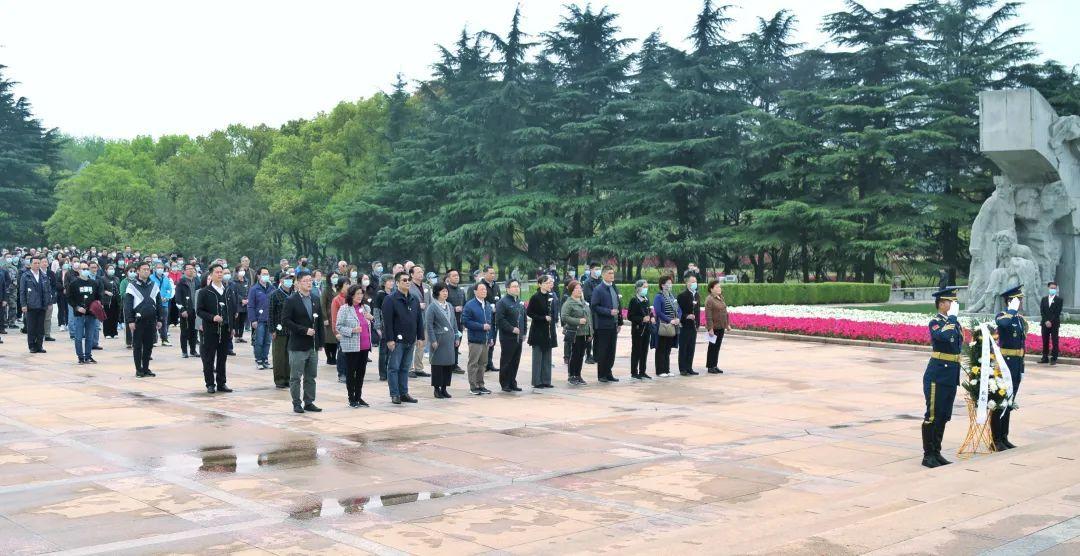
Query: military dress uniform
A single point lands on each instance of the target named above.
(940, 380)
(1012, 334)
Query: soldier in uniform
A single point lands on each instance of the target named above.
(942, 375)
(1012, 333)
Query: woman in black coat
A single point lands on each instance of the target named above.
(112, 303)
(543, 312)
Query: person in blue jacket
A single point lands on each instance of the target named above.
(167, 290)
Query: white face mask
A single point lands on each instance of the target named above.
(365, 282)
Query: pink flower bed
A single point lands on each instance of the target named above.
(873, 331)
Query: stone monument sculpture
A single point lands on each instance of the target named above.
(1028, 232)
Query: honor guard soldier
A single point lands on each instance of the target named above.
(1012, 333)
(942, 375)
(142, 301)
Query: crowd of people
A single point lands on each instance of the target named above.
(300, 315)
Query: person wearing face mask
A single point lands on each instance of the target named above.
(716, 323)
(167, 290)
(110, 288)
(64, 277)
(455, 296)
(185, 304)
(513, 329)
(1050, 322)
(216, 308)
(258, 306)
(668, 321)
(640, 315)
(81, 292)
(241, 283)
(233, 293)
(142, 303)
(387, 282)
(7, 273)
(1012, 335)
(129, 277)
(588, 283)
(942, 374)
(606, 307)
(34, 288)
(690, 305)
(279, 335)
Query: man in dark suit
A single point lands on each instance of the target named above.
(301, 317)
(34, 291)
(217, 310)
(1050, 310)
(690, 305)
(607, 319)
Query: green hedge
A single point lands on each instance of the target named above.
(785, 294)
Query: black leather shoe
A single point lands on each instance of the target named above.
(422, 373)
(211, 389)
(91, 360)
(148, 372)
(353, 404)
(361, 403)
(231, 353)
(475, 392)
(445, 394)
(590, 361)
(507, 390)
(395, 400)
(408, 399)
(612, 379)
(224, 388)
(41, 351)
(412, 374)
(692, 372)
(297, 409)
(458, 371)
(714, 371)
(50, 339)
(515, 389)
(1044, 360)
(644, 376)
(83, 362)
(312, 408)
(1008, 445)
(929, 461)
(485, 390)
(603, 379)
(184, 355)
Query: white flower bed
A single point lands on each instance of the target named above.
(890, 317)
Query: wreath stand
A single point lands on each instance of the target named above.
(978, 440)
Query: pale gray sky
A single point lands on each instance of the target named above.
(121, 68)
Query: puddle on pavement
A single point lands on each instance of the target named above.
(143, 397)
(227, 459)
(333, 507)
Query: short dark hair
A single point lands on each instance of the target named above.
(387, 278)
(489, 268)
(573, 285)
(664, 279)
(1051, 283)
(711, 284)
(413, 269)
(212, 267)
(437, 289)
(186, 265)
(262, 268)
(399, 276)
(542, 279)
(608, 267)
(518, 282)
(142, 264)
(594, 264)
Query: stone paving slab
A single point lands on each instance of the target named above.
(799, 448)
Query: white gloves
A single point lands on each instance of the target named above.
(1014, 304)
(954, 309)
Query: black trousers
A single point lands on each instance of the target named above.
(142, 343)
(61, 310)
(509, 359)
(355, 369)
(687, 345)
(189, 336)
(577, 355)
(440, 375)
(662, 355)
(238, 326)
(215, 350)
(491, 356)
(1050, 335)
(712, 356)
(35, 328)
(639, 350)
(604, 346)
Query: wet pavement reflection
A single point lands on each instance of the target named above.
(331, 507)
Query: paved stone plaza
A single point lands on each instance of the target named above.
(801, 448)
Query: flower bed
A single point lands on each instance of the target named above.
(902, 333)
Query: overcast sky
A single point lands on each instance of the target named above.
(121, 68)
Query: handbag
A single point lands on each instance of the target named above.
(666, 329)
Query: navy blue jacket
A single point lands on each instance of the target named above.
(1012, 334)
(258, 305)
(601, 304)
(35, 294)
(945, 337)
(402, 320)
(474, 316)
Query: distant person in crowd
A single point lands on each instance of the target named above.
(577, 329)
(639, 313)
(589, 282)
(441, 331)
(111, 284)
(542, 311)
(185, 304)
(302, 317)
(35, 288)
(387, 288)
(690, 305)
(279, 337)
(456, 299)
(669, 318)
(339, 300)
(258, 311)
(477, 317)
(325, 295)
(242, 282)
(494, 294)
(403, 325)
(422, 293)
(1050, 319)
(353, 326)
(283, 265)
(716, 322)
(142, 303)
(217, 309)
(943, 279)
(129, 277)
(510, 320)
(165, 286)
(81, 293)
(606, 306)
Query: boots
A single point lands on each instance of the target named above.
(939, 432)
(438, 392)
(445, 394)
(928, 459)
(995, 433)
(1005, 422)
